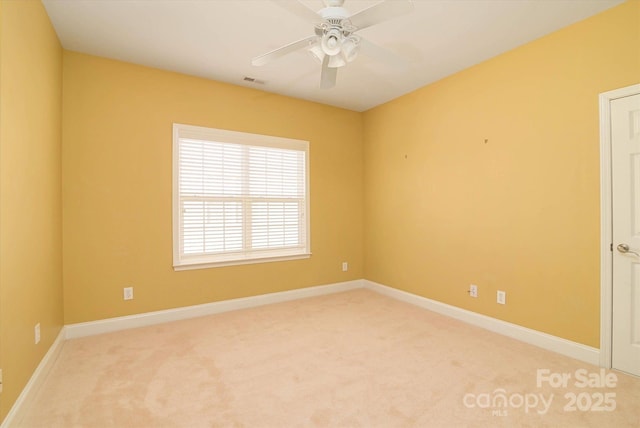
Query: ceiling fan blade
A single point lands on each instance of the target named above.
(383, 55)
(300, 10)
(328, 75)
(380, 12)
(284, 50)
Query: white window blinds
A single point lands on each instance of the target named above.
(238, 198)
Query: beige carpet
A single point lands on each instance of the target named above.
(354, 359)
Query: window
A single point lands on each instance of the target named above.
(238, 198)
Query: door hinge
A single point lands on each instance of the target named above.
(611, 247)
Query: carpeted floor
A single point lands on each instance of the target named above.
(353, 359)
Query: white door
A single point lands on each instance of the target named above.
(625, 155)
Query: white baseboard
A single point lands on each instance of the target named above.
(28, 393)
(546, 341)
(150, 318)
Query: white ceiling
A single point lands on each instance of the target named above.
(216, 39)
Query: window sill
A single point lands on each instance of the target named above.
(206, 265)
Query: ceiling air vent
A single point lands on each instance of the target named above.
(253, 80)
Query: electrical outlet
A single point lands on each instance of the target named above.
(502, 297)
(37, 333)
(345, 266)
(128, 293)
(473, 290)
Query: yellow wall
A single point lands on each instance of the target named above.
(519, 213)
(117, 149)
(30, 191)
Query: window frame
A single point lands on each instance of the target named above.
(182, 131)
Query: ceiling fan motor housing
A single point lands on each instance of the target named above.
(333, 3)
(334, 14)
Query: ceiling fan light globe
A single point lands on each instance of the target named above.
(317, 53)
(331, 42)
(336, 61)
(350, 50)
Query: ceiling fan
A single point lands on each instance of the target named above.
(335, 42)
